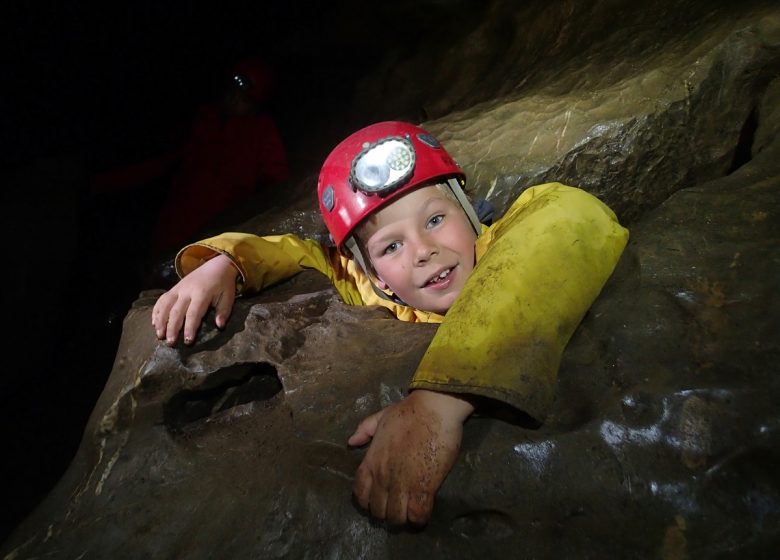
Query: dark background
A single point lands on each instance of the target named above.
(87, 89)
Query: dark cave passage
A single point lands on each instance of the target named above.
(743, 152)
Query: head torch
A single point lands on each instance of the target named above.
(383, 166)
(241, 82)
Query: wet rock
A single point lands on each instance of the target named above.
(631, 105)
(633, 117)
(664, 440)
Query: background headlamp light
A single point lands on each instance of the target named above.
(241, 82)
(383, 166)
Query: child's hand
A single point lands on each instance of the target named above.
(415, 443)
(211, 284)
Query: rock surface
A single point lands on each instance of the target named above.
(664, 440)
(632, 118)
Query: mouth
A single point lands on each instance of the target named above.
(441, 279)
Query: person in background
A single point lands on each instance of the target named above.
(233, 150)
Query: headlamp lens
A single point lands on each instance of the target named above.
(373, 176)
(241, 82)
(384, 165)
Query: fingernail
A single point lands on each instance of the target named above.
(187, 340)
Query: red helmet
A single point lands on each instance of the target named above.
(253, 76)
(377, 165)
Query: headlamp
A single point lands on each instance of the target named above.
(383, 166)
(241, 82)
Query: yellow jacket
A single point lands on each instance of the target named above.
(539, 268)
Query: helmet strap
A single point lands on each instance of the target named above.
(454, 184)
(354, 248)
(356, 253)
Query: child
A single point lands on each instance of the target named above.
(407, 238)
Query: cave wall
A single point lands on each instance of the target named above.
(664, 439)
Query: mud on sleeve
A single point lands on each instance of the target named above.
(542, 267)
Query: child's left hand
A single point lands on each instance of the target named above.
(415, 443)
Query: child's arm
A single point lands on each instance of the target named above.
(265, 261)
(211, 270)
(543, 265)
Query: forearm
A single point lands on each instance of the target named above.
(451, 406)
(261, 261)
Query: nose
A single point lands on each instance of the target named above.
(425, 248)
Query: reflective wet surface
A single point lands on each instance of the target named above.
(664, 440)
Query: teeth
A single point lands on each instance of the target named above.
(440, 277)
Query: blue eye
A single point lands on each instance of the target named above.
(436, 220)
(392, 248)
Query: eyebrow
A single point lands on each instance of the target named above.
(436, 198)
(381, 242)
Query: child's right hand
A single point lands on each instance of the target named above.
(213, 284)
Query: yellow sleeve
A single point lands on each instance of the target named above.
(539, 269)
(264, 261)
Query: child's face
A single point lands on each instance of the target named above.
(422, 248)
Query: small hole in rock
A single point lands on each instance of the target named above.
(744, 149)
(484, 524)
(238, 384)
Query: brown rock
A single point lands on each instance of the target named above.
(664, 437)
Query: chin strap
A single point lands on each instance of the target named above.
(454, 184)
(389, 297)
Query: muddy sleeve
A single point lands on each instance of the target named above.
(541, 268)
